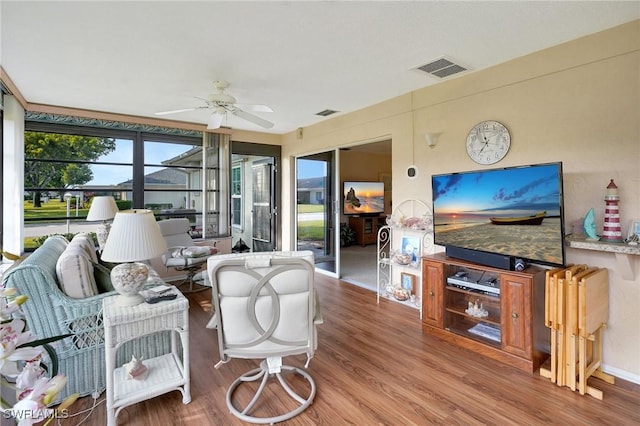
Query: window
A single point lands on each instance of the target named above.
(173, 180)
(159, 172)
(236, 196)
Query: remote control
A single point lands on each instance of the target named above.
(156, 299)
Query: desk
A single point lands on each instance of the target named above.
(165, 373)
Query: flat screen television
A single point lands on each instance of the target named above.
(362, 198)
(512, 211)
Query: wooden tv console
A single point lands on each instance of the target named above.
(508, 327)
(366, 228)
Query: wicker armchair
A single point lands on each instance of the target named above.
(49, 312)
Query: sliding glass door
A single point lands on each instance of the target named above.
(315, 213)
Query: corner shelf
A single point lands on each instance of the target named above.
(390, 236)
(622, 252)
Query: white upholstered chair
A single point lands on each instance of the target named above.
(184, 254)
(265, 307)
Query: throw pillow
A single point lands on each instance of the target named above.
(86, 243)
(102, 274)
(74, 270)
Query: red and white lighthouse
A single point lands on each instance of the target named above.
(611, 231)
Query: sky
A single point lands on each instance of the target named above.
(155, 153)
(311, 168)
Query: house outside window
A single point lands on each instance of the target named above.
(237, 212)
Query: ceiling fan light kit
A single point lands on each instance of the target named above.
(215, 121)
(222, 103)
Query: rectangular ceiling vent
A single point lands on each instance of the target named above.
(326, 112)
(442, 68)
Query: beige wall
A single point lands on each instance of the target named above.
(578, 103)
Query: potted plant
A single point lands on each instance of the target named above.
(347, 235)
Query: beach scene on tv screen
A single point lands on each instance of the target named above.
(513, 212)
(363, 197)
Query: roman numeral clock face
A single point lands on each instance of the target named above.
(488, 142)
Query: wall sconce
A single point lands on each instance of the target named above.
(432, 138)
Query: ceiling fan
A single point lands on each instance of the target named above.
(222, 103)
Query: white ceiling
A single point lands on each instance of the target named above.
(299, 58)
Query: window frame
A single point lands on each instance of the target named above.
(234, 197)
(138, 163)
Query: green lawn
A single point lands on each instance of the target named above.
(310, 208)
(312, 230)
(308, 230)
(52, 209)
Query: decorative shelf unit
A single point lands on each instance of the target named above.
(411, 224)
(622, 252)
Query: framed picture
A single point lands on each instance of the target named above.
(408, 282)
(411, 246)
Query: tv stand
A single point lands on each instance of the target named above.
(499, 313)
(366, 228)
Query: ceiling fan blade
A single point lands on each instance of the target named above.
(215, 121)
(252, 118)
(175, 111)
(255, 108)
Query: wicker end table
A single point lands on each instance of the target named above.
(165, 373)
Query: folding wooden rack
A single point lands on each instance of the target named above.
(576, 311)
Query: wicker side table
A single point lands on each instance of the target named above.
(165, 373)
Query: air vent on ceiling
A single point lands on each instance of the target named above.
(326, 112)
(442, 67)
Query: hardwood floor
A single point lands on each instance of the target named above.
(375, 366)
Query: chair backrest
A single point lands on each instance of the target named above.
(176, 232)
(265, 304)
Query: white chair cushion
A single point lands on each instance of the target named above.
(74, 270)
(176, 232)
(292, 286)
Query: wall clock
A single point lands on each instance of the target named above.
(488, 142)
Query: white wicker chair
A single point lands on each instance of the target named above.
(266, 308)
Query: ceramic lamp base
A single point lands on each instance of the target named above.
(102, 233)
(129, 300)
(128, 279)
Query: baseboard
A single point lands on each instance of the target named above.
(624, 375)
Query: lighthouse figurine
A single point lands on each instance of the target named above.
(611, 232)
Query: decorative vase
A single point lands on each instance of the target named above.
(128, 279)
(102, 233)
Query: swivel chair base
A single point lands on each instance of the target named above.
(263, 373)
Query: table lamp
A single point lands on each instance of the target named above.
(102, 208)
(134, 237)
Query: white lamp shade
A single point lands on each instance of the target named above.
(135, 236)
(102, 208)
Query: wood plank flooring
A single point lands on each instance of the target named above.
(375, 366)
